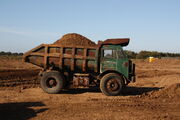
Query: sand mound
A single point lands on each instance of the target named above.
(75, 39)
(171, 92)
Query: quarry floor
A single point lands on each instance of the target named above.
(155, 95)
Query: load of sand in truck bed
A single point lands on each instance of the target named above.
(74, 39)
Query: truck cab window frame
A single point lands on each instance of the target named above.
(109, 53)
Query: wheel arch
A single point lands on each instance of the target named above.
(113, 71)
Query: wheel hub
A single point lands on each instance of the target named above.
(51, 83)
(112, 85)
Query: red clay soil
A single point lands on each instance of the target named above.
(172, 92)
(151, 97)
(23, 78)
(75, 39)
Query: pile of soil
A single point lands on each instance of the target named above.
(75, 40)
(171, 92)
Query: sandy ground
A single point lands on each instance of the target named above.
(155, 95)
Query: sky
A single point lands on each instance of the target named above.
(150, 24)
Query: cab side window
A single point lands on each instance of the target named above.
(109, 53)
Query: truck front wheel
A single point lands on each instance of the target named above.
(52, 82)
(111, 84)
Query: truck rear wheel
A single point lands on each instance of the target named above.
(111, 84)
(52, 82)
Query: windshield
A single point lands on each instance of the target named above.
(121, 54)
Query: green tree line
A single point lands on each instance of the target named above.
(146, 54)
(2, 53)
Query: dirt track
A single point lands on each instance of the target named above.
(155, 95)
(18, 78)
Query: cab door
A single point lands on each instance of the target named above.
(108, 59)
(122, 62)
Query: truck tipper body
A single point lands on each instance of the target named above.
(104, 65)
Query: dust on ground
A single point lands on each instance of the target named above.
(155, 95)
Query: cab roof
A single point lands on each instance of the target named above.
(116, 41)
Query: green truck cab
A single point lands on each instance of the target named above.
(104, 65)
(114, 59)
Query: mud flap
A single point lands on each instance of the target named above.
(133, 75)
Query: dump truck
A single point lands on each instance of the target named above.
(104, 65)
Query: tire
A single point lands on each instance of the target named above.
(111, 84)
(52, 82)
